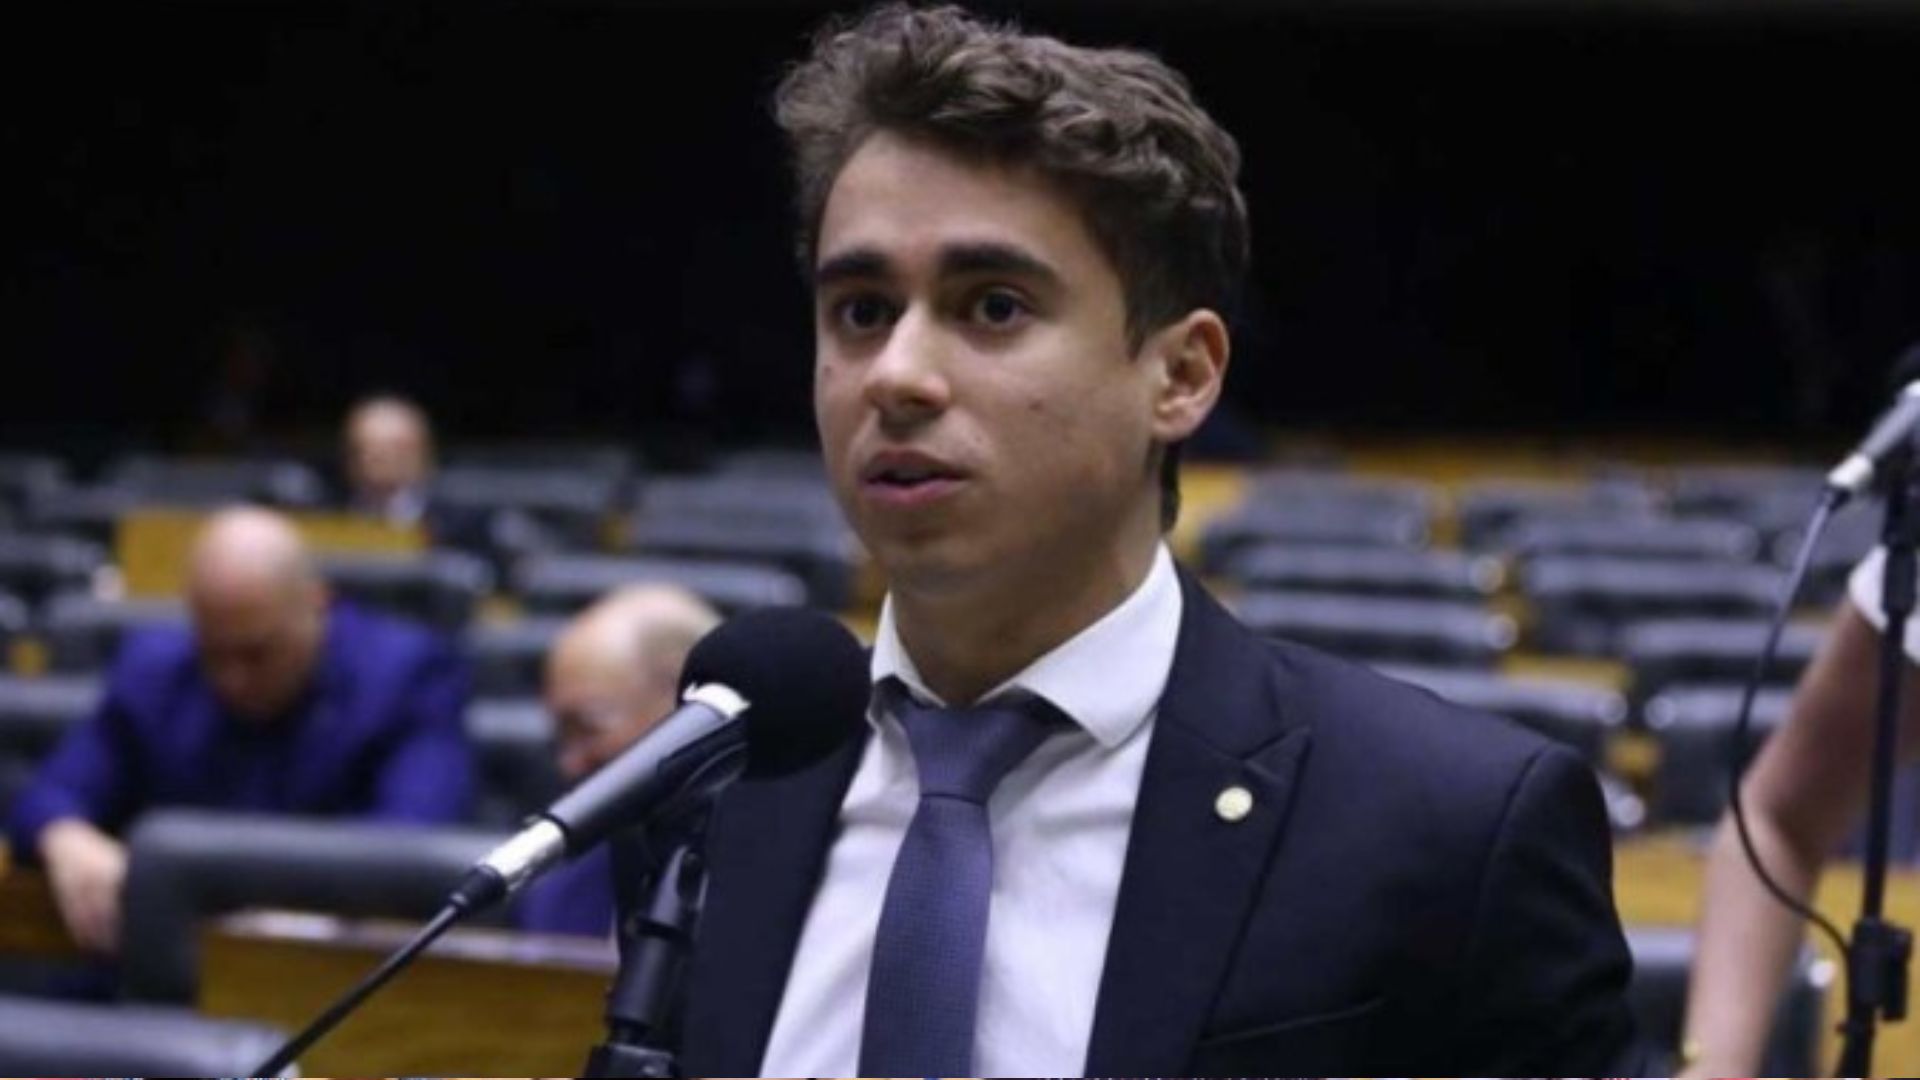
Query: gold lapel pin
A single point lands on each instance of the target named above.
(1233, 804)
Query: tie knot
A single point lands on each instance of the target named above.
(965, 753)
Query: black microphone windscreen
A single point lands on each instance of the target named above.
(804, 675)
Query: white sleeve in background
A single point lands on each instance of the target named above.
(1863, 592)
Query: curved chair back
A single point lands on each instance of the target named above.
(61, 1038)
(186, 865)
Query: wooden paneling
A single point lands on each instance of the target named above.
(1658, 881)
(479, 1003)
(29, 922)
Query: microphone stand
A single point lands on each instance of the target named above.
(1879, 951)
(654, 943)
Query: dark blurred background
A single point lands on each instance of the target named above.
(223, 221)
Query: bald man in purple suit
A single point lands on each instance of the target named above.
(277, 699)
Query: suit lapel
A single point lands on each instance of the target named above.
(765, 849)
(1191, 874)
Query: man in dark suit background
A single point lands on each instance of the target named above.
(1097, 827)
(276, 700)
(387, 451)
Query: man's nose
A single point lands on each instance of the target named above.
(906, 378)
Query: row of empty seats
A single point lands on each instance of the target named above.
(765, 509)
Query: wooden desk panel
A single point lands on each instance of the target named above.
(29, 922)
(479, 1003)
(1658, 881)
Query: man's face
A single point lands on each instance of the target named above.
(599, 709)
(258, 647)
(386, 453)
(979, 408)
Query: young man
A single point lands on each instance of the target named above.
(1098, 827)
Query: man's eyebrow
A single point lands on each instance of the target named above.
(995, 258)
(851, 265)
(985, 257)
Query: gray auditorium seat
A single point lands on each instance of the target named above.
(607, 462)
(437, 588)
(1448, 575)
(774, 498)
(1666, 652)
(822, 552)
(777, 461)
(1663, 963)
(513, 739)
(1306, 521)
(198, 482)
(186, 865)
(572, 505)
(563, 584)
(1373, 628)
(82, 633)
(34, 714)
(1647, 538)
(509, 659)
(32, 567)
(24, 475)
(1283, 484)
(1580, 602)
(61, 1038)
(1301, 506)
(1488, 510)
(15, 619)
(1736, 491)
(91, 513)
(1694, 725)
(1578, 714)
(1850, 536)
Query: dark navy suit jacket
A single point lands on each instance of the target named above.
(1418, 890)
(377, 734)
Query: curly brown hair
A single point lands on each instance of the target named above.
(1154, 176)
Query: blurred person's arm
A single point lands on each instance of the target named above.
(429, 777)
(61, 819)
(86, 869)
(1803, 794)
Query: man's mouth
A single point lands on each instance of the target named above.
(910, 477)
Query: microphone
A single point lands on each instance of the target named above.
(784, 685)
(1889, 434)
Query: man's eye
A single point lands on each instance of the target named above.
(862, 313)
(998, 307)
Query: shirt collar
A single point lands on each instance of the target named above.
(1108, 677)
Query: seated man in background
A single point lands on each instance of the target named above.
(612, 673)
(389, 458)
(277, 700)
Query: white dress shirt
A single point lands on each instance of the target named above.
(1864, 587)
(1060, 822)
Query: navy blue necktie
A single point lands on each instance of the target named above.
(924, 988)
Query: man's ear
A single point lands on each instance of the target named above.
(1190, 364)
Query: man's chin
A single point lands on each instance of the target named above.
(932, 566)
